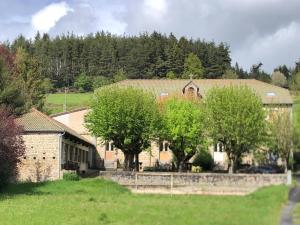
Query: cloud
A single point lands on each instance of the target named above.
(278, 48)
(155, 6)
(92, 16)
(46, 18)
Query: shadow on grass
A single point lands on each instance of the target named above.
(28, 188)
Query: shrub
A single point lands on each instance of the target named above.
(83, 83)
(71, 176)
(12, 147)
(196, 169)
(204, 160)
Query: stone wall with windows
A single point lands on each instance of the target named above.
(47, 155)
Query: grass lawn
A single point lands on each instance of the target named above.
(54, 102)
(96, 201)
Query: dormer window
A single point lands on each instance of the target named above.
(271, 94)
(190, 92)
(164, 94)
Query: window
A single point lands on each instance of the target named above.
(190, 92)
(76, 154)
(66, 157)
(218, 147)
(71, 153)
(112, 146)
(86, 157)
(161, 146)
(166, 146)
(79, 155)
(106, 146)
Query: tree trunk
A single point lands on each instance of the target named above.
(285, 164)
(137, 163)
(231, 166)
(180, 166)
(126, 162)
(131, 162)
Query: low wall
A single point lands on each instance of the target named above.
(194, 183)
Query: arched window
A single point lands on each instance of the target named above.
(190, 92)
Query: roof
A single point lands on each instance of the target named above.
(36, 121)
(269, 94)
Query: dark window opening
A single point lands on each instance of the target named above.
(166, 146)
(161, 146)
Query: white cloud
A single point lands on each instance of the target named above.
(155, 7)
(46, 18)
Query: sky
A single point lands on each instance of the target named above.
(266, 31)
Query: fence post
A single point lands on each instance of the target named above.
(136, 181)
(289, 177)
(172, 183)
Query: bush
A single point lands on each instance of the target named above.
(83, 83)
(196, 169)
(12, 147)
(204, 160)
(101, 81)
(71, 176)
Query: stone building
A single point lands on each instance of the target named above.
(273, 98)
(52, 148)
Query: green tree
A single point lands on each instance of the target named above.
(120, 75)
(83, 83)
(125, 116)
(193, 66)
(11, 92)
(295, 84)
(236, 120)
(282, 136)
(183, 128)
(28, 73)
(100, 81)
(230, 74)
(171, 75)
(279, 79)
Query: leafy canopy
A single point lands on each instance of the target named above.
(183, 127)
(193, 66)
(236, 119)
(125, 116)
(282, 135)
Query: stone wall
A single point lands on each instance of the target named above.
(41, 160)
(192, 183)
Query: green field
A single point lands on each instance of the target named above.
(96, 201)
(54, 102)
(296, 110)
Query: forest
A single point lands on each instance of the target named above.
(83, 63)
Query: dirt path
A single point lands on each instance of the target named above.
(294, 198)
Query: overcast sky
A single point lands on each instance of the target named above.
(256, 30)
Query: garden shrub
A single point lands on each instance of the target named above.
(71, 176)
(204, 160)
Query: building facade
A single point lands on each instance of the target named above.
(273, 98)
(52, 148)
